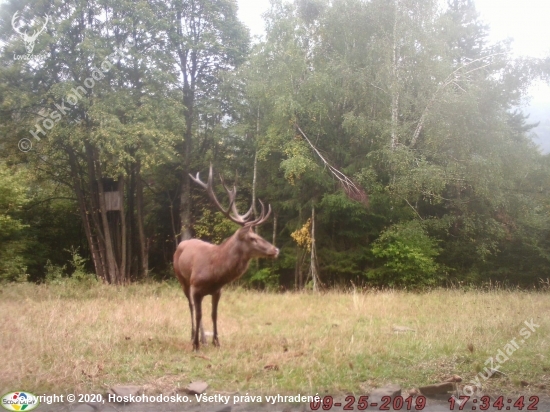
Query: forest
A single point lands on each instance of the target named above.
(387, 136)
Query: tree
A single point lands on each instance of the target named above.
(204, 39)
(12, 237)
(412, 102)
(92, 116)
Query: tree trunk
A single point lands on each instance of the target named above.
(254, 171)
(274, 229)
(296, 266)
(188, 65)
(172, 220)
(185, 206)
(256, 263)
(124, 269)
(112, 266)
(185, 201)
(131, 262)
(95, 210)
(84, 215)
(313, 258)
(298, 279)
(144, 257)
(395, 84)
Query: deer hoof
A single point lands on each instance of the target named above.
(216, 342)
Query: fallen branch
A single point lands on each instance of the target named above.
(352, 190)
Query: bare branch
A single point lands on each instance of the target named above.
(451, 79)
(347, 184)
(413, 208)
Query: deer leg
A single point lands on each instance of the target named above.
(186, 291)
(197, 303)
(192, 320)
(215, 300)
(203, 337)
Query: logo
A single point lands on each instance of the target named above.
(28, 39)
(19, 401)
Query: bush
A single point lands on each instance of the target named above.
(13, 196)
(407, 255)
(13, 267)
(56, 275)
(264, 279)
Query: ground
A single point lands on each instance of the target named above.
(86, 338)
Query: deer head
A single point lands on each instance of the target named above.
(253, 244)
(29, 40)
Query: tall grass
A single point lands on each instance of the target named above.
(67, 338)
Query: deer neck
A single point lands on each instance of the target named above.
(233, 258)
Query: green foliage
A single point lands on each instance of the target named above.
(74, 272)
(53, 228)
(408, 257)
(264, 278)
(78, 265)
(342, 265)
(13, 196)
(343, 232)
(55, 274)
(298, 161)
(214, 227)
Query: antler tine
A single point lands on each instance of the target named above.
(37, 32)
(263, 216)
(232, 194)
(197, 180)
(241, 218)
(237, 218)
(13, 20)
(248, 213)
(210, 191)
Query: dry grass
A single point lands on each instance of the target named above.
(74, 339)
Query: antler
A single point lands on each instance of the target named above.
(13, 20)
(35, 34)
(242, 220)
(25, 35)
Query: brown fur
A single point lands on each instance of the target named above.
(203, 269)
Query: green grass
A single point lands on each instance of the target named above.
(67, 338)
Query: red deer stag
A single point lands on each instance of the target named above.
(203, 268)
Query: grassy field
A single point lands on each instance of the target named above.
(62, 338)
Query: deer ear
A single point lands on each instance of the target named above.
(244, 231)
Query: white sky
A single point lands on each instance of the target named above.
(527, 22)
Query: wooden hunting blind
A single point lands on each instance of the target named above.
(113, 196)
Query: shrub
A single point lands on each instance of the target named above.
(56, 275)
(264, 278)
(407, 255)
